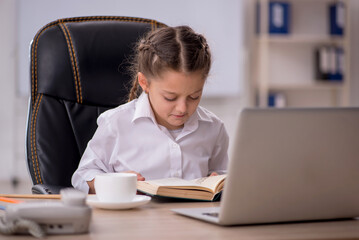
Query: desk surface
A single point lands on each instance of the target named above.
(156, 221)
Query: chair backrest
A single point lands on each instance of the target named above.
(78, 70)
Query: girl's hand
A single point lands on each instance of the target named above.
(91, 186)
(213, 174)
(139, 176)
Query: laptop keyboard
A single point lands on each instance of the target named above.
(212, 214)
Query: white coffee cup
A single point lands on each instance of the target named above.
(116, 187)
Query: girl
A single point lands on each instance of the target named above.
(161, 132)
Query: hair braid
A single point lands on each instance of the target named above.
(134, 90)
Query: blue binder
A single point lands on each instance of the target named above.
(276, 100)
(336, 18)
(271, 100)
(279, 17)
(338, 67)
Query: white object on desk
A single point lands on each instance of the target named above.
(116, 187)
(69, 216)
(138, 200)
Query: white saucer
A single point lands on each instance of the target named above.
(137, 201)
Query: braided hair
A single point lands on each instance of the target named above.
(169, 48)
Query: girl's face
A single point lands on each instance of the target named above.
(174, 96)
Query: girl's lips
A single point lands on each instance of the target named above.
(178, 116)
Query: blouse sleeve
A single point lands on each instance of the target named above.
(219, 160)
(96, 157)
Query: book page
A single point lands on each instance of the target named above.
(173, 182)
(210, 182)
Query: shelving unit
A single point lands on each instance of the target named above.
(284, 63)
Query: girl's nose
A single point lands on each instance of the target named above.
(181, 106)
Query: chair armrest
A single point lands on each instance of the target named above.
(46, 189)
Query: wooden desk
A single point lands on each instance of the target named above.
(156, 221)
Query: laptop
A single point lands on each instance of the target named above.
(290, 165)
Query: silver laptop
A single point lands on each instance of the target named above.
(290, 165)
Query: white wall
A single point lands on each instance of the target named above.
(219, 21)
(7, 86)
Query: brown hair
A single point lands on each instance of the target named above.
(169, 48)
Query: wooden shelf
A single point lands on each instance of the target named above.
(315, 86)
(295, 39)
(285, 63)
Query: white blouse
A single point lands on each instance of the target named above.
(129, 138)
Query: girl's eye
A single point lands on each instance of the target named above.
(194, 98)
(170, 99)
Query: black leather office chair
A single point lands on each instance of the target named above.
(78, 70)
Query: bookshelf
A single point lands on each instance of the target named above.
(285, 64)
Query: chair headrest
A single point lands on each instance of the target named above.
(85, 59)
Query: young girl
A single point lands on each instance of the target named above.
(161, 132)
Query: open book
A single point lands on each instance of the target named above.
(207, 188)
